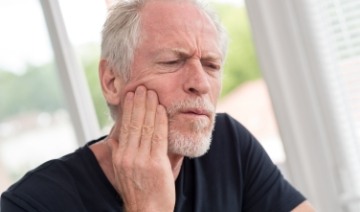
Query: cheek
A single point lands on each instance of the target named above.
(216, 88)
(145, 80)
(167, 93)
(164, 86)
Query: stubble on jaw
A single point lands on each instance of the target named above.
(196, 142)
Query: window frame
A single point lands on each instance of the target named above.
(71, 74)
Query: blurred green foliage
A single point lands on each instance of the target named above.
(38, 89)
(241, 64)
(90, 55)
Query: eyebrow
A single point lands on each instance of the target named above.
(172, 51)
(185, 53)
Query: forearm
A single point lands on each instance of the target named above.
(304, 207)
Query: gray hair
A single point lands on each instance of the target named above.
(121, 35)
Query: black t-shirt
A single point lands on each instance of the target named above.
(235, 175)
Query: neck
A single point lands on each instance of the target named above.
(102, 153)
(176, 162)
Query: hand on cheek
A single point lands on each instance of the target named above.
(142, 169)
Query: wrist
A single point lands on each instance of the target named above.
(150, 208)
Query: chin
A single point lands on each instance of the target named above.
(188, 146)
(194, 142)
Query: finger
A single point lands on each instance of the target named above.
(125, 120)
(148, 126)
(159, 144)
(137, 119)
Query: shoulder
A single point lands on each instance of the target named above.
(264, 187)
(37, 188)
(49, 171)
(225, 125)
(224, 119)
(228, 132)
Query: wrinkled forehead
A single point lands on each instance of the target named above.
(160, 16)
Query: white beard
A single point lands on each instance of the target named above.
(195, 142)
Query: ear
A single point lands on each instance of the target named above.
(111, 83)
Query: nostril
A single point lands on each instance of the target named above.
(192, 90)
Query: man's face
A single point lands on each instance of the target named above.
(179, 57)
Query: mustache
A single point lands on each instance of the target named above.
(197, 103)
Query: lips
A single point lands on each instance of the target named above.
(196, 111)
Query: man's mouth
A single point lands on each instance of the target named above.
(196, 112)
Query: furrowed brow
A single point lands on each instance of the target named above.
(175, 51)
(212, 57)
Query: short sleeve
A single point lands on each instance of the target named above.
(265, 187)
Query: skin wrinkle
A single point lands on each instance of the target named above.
(156, 165)
(173, 53)
(190, 133)
(187, 44)
(199, 143)
(201, 23)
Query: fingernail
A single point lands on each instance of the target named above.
(140, 90)
(160, 109)
(151, 94)
(130, 95)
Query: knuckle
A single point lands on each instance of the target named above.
(121, 163)
(157, 166)
(157, 138)
(134, 127)
(125, 129)
(141, 164)
(117, 161)
(147, 130)
(126, 165)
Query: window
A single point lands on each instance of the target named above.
(344, 79)
(84, 35)
(48, 110)
(35, 125)
(308, 51)
(244, 94)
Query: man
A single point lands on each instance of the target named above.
(161, 73)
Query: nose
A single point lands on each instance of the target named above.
(196, 81)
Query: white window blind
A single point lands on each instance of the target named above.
(341, 20)
(309, 53)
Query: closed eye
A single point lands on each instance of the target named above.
(212, 66)
(171, 62)
(168, 66)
